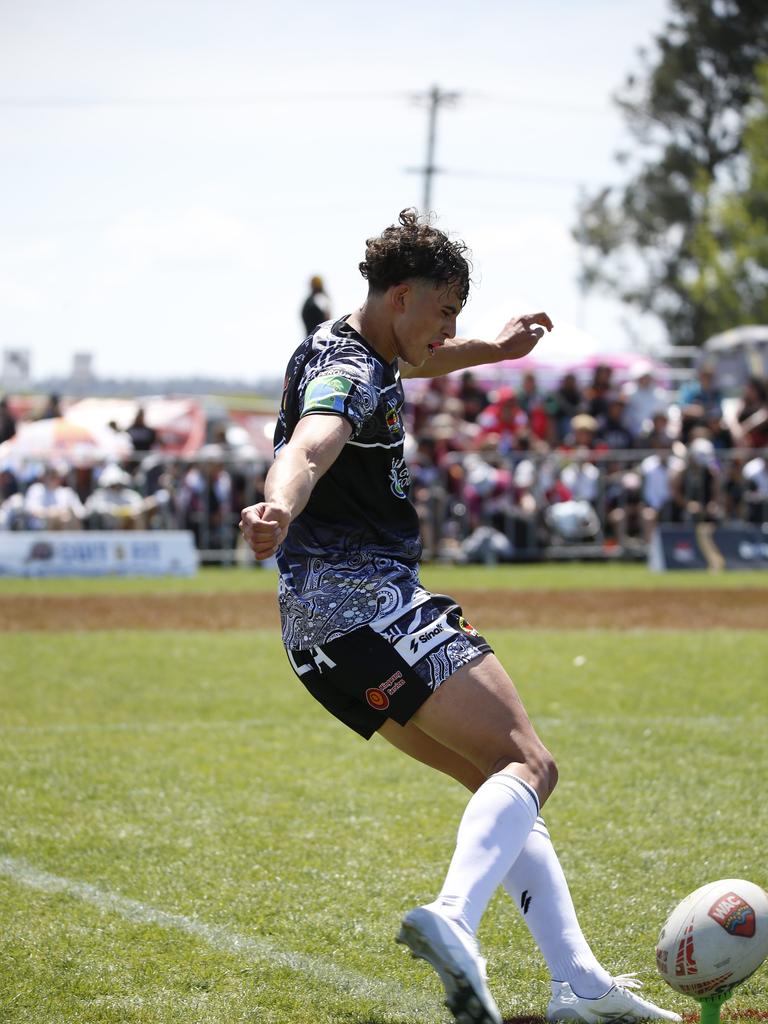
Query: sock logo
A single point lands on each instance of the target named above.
(525, 901)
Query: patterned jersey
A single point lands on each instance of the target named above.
(351, 556)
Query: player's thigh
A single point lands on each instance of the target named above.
(412, 741)
(478, 713)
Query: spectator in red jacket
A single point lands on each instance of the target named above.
(505, 419)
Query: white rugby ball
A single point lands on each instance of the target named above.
(715, 938)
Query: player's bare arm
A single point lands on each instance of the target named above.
(518, 337)
(315, 445)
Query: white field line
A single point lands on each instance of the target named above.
(221, 938)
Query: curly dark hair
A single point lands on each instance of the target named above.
(413, 248)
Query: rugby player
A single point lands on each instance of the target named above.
(386, 656)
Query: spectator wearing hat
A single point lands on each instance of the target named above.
(582, 433)
(696, 482)
(50, 504)
(114, 504)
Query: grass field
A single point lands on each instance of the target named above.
(565, 576)
(186, 837)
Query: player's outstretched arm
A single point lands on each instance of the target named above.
(315, 445)
(518, 337)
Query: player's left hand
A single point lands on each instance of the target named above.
(521, 334)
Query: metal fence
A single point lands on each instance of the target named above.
(472, 508)
(579, 505)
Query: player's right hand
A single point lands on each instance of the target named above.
(264, 527)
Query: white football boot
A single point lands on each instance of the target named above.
(454, 955)
(619, 1005)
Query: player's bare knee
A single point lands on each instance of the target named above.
(543, 765)
(541, 769)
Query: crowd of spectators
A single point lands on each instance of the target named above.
(496, 473)
(506, 473)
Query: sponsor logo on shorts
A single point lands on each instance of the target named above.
(377, 699)
(414, 646)
(467, 627)
(378, 696)
(425, 637)
(734, 914)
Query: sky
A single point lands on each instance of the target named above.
(174, 171)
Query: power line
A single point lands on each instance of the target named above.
(244, 100)
(523, 179)
(251, 99)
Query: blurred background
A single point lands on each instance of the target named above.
(183, 180)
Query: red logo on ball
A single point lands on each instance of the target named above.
(734, 914)
(377, 699)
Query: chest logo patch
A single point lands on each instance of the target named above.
(393, 420)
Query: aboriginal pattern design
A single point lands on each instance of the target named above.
(350, 558)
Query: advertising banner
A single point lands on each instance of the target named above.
(707, 546)
(39, 553)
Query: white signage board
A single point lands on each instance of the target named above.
(39, 553)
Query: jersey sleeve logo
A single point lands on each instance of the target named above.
(327, 394)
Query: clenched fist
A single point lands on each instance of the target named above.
(264, 527)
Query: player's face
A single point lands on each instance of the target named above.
(426, 317)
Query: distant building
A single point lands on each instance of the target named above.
(17, 369)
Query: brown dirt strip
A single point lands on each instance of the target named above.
(487, 609)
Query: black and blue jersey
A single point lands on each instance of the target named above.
(351, 556)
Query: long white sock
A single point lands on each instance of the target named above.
(538, 887)
(492, 832)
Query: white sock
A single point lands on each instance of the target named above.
(537, 885)
(492, 832)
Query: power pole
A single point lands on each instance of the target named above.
(434, 99)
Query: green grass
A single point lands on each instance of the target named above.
(587, 576)
(191, 773)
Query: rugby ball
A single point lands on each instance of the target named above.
(715, 938)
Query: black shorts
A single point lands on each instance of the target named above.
(372, 674)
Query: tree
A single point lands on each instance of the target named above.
(731, 240)
(686, 113)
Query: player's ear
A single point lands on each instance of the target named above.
(398, 297)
